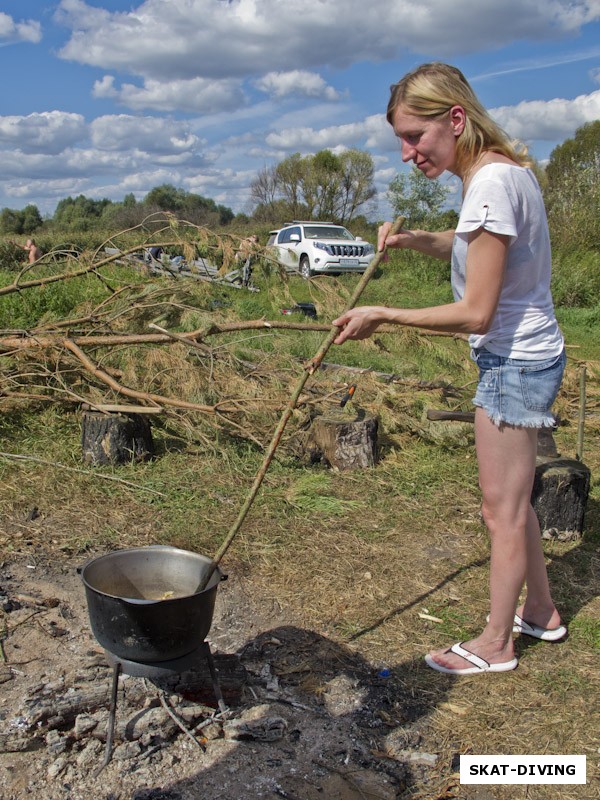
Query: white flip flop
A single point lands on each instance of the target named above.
(537, 631)
(479, 664)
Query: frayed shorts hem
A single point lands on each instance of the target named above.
(548, 421)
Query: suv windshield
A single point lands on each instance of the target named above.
(321, 232)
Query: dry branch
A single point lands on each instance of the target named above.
(30, 340)
(153, 399)
(94, 474)
(15, 286)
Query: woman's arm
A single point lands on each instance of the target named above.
(474, 313)
(437, 244)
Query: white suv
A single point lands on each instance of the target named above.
(313, 248)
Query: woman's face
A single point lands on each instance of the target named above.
(429, 142)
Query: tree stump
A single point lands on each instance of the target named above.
(559, 497)
(344, 441)
(115, 438)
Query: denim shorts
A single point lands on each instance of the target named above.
(518, 392)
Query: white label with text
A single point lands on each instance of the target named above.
(522, 769)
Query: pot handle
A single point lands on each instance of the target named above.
(81, 567)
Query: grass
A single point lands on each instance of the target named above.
(365, 558)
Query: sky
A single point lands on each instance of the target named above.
(113, 97)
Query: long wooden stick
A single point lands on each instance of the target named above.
(581, 421)
(310, 368)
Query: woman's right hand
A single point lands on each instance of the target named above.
(398, 240)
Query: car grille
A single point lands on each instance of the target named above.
(347, 250)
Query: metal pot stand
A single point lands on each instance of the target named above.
(155, 671)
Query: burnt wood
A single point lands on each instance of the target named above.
(51, 710)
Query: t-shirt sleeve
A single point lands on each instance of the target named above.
(488, 205)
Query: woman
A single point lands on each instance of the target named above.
(501, 262)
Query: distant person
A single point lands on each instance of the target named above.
(246, 254)
(31, 248)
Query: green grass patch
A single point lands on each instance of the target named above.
(587, 630)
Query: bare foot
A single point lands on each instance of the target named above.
(494, 652)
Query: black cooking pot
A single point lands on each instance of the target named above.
(143, 603)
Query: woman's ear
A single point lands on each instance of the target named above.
(457, 119)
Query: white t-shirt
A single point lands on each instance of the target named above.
(506, 199)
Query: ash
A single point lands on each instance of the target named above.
(305, 717)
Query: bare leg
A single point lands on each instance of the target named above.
(539, 607)
(506, 458)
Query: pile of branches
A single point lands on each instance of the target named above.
(113, 353)
(121, 352)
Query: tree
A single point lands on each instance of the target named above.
(11, 221)
(572, 191)
(32, 219)
(579, 153)
(80, 213)
(357, 183)
(417, 198)
(263, 189)
(165, 198)
(25, 221)
(288, 176)
(321, 186)
(195, 208)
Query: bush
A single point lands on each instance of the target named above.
(11, 256)
(576, 279)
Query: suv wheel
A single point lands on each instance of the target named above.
(305, 269)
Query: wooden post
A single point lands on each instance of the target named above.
(344, 441)
(115, 438)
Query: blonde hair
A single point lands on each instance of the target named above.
(431, 90)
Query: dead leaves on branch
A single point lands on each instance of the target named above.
(121, 348)
(107, 351)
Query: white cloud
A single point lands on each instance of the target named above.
(385, 175)
(184, 39)
(11, 31)
(157, 135)
(47, 132)
(105, 88)
(197, 95)
(551, 119)
(54, 189)
(71, 163)
(296, 82)
(229, 187)
(537, 63)
(373, 132)
(139, 183)
(548, 120)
